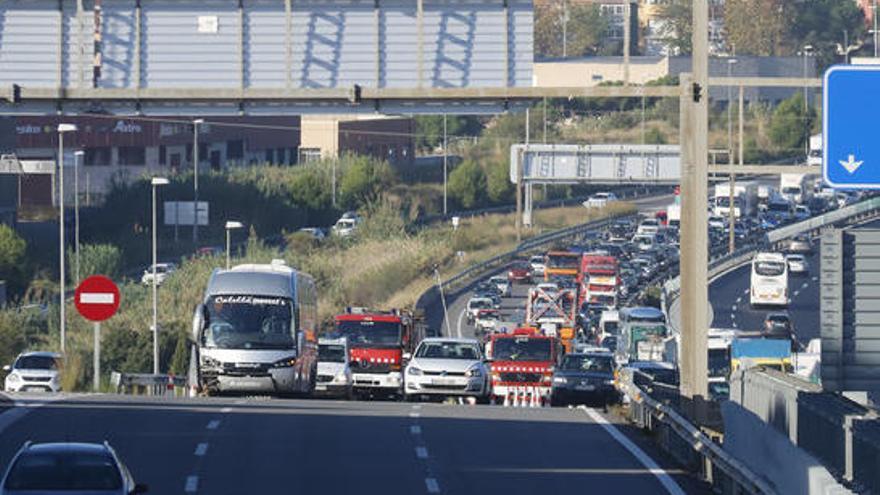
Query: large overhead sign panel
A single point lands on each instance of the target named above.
(258, 57)
(598, 163)
(850, 107)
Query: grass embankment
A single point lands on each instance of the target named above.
(386, 266)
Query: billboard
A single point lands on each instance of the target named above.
(183, 213)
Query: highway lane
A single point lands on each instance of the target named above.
(248, 446)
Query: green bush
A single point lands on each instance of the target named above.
(467, 185)
(13, 254)
(95, 259)
(364, 181)
(790, 124)
(499, 187)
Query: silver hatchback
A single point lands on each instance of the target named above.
(68, 469)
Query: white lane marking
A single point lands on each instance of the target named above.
(213, 424)
(432, 485)
(415, 430)
(201, 449)
(733, 308)
(660, 473)
(97, 298)
(805, 285)
(241, 401)
(815, 279)
(739, 299)
(746, 291)
(421, 452)
(460, 318)
(797, 293)
(226, 410)
(192, 484)
(414, 414)
(416, 407)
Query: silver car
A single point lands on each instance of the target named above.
(34, 371)
(334, 369)
(447, 367)
(68, 469)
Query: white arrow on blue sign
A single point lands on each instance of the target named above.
(850, 113)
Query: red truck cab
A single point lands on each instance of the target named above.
(521, 365)
(377, 341)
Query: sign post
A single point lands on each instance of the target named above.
(851, 153)
(97, 299)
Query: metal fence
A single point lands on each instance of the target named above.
(149, 384)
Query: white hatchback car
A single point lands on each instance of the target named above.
(334, 369)
(34, 371)
(163, 270)
(600, 200)
(447, 367)
(797, 263)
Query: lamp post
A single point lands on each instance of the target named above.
(156, 182)
(442, 298)
(195, 153)
(230, 226)
(730, 64)
(62, 128)
(78, 155)
(806, 51)
(445, 169)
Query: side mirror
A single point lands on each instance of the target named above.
(7, 368)
(140, 488)
(407, 356)
(198, 323)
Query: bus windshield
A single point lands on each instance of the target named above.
(249, 322)
(368, 333)
(769, 268)
(563, 260)
(522, 349)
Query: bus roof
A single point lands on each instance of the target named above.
(263, 280)
(770, 257)
(642, 312)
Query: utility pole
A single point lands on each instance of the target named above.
(626, 41)
(195, 155)
(694, 236)
(445, 169)
(564, 28)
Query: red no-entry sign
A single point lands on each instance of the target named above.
(97, 298)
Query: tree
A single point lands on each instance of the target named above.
(498, 185)
(364, 181)
(759, 27)
(586, 28)
(677, 26)
(96, 259)
(312, 186)
(13, 251)
(467, 184)
(429, 129)
(821, 24)
(790, 125)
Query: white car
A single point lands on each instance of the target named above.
(717, 223)
(34, 371)
(537, 265)
(334, 370)
(797, 263)
(486, 320)
(475, 304)
(503, 285)
(315, 233)
(346, 226)
(163, 270)
(447, 367)
(600, 200)
(648, 226)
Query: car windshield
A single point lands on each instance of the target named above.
(600, 364)
(719, 362)
(36, 363)
(479, 303)
(769, 268)
(448, 350)
(331, 353)
(249, 322)
(365, 333)
(522, 349)
(611, 327)
(64, 471)
(778, 318)
(779, 207)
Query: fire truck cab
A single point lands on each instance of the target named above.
(521, 366)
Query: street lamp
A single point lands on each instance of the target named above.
(156, 182)
(445, 170)
(78, 155)
(806, 51)
(62, 128)
(230, 226)
(196, 124)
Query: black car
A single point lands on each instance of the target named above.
(584, 379)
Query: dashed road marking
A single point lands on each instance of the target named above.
(739, 299)
(421, 452)
(414, 414)
(213, 424)
(733, 308)
(201, 449)
(415, 430)
(192, 484)
(797, 293)
(241, 401)
(805, 285)
(662, 476)
(432, 485)
(815, 279)
(226, 410)
(746, 291)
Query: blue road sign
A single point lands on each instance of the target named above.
(850, 112)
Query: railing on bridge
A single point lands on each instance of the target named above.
(148, 384)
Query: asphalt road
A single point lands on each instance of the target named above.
(251, 446)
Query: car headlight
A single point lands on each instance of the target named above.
(412, 370)
(609, 382)
(560, 380)
(288, 362)
(211, 362)
(13, 378)
(473, 372)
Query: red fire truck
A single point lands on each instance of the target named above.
(599, 280)
(522, 366)
(377, 341)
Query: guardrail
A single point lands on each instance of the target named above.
(690, 446)
(148, 384)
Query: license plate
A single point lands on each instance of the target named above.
(586, 388)
(442, 381)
